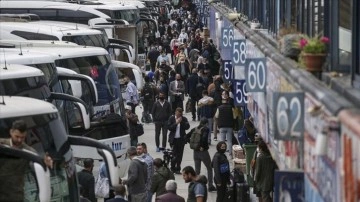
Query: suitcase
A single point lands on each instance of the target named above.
(242, 192)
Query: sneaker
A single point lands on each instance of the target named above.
(212, 188)
(157, 149)
(215, 138)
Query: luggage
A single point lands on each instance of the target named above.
(242, 192)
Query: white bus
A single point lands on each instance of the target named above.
(108, 124)
(46, 134)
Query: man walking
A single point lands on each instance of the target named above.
(207, 110)
(177, 126)
(192, 90)
(87, 180)
(225, 117)
(196, 190)
(171, 195)
(161, 112)
(137, 176)
(131, 94)
(161, 175)
(142, 152)
(201, 153)
(148, 93)
(176, 92)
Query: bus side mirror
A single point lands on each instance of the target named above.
(81, 115)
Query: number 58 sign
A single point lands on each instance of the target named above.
(288, 119)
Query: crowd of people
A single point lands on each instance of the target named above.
(184, 64)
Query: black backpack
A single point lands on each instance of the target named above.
(148, 92)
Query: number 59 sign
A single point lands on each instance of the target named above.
(288, 119)
(240, 93)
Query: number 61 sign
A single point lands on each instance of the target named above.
(288, 119)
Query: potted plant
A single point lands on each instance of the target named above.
(313, 52)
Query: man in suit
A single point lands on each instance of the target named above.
(171, 195)
(177, 126)
(120, 192)
(87, 180)
(176, 92)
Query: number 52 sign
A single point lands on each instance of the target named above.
(288, 119)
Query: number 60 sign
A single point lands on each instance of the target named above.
(288, 119)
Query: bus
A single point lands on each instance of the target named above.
(125, 18)
(107, 123)
(46, 134)
(62, 31)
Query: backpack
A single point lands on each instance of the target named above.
(195, 138)
(148, 92)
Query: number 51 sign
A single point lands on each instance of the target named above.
(288, 119)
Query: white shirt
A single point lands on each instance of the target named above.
(177, 133)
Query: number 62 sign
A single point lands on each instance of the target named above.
(288, 119)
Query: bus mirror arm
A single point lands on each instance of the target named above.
(80, 144)
(62, 96)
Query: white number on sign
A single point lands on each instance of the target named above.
(239, 52)
(227, 37)
(256, 75)
(240, 92)
(284, 119)
(225, 40)
(227, 70)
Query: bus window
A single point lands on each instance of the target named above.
(34, 36)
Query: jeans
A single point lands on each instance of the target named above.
(204, 156)
(149, 196)
(158, 127)
(228, 134)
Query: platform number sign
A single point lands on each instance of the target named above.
(255, 74)
(228, 70)
(227, 37)
(288, 116)
(239, 52)
(240, 93)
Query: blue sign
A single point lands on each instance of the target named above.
(288, 115)
(239, 52)
(227, 37)
(255, 72)
(228, 70)
(289, 186)
(239, 92)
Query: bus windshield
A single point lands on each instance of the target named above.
(101, 70)
(132, 16)
(98, 40)
(35, 87)
(49, 70)
(45, 134)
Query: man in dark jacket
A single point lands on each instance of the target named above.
(192, 90)
(201, 154)
(177, 126)
(87, 180)
(221, 167)
(225, 117)
(137, 176)
(183, 69)
(161, 112)
(152, 56)
(161, 175)
(264, 172)
(171, 195)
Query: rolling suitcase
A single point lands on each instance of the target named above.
(242, 192)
